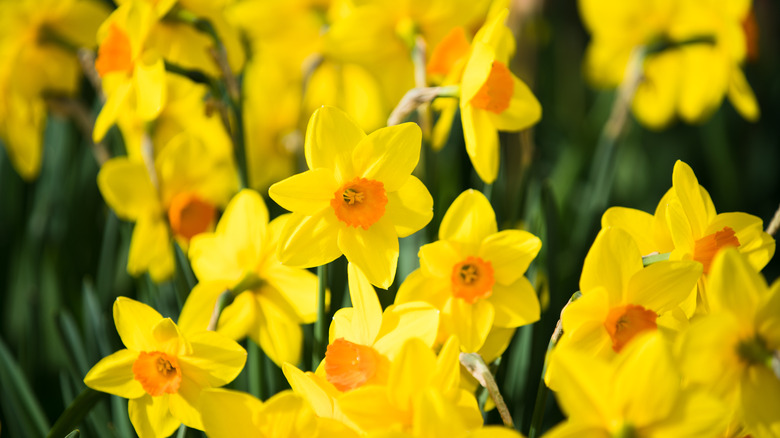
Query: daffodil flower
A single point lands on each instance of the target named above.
(734, 349)
(686, 225)
(474, 274)
(271, 300)
(357, 198)
(492, 98)
(163, 371)
(637, 395)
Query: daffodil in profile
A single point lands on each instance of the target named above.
(163, 370)
(492, 98)
(474, 274)
(637, 395)
(357, 198)
(270, 300)
(733, 351)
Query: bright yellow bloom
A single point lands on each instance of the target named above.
(492, 98)
(474, 274)
(188, 187)
(364, 341)
(686, 224)
(33, 37)
(414, 371)
(231, 414)
(163, 370)
(357, 198)
(621, 299)
(637, 395)
(734, 348)
(271, 300)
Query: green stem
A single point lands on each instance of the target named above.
(185, 268)
(254, 365)
(487, 190)
(74, 413)
(182, 431)
(320, 329)
(654, 258)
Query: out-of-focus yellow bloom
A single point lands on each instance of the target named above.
(474, 274)
(364, 341)
(686, 224)
(271, 300)
(231, 414)
(688, 79)
(414, 371)
(493, 99)
(34, 40)
(163, 371)
(734, 348)
(189, 186)
(637, 395)
(621, 299)
(357, 198)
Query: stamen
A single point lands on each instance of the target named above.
(472, 279)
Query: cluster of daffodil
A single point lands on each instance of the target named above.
(682, 342)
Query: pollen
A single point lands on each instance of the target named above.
(349, 366)
(157, 372)
(190, 215)
(496, 93)
(709, 245)
(472, 279)
(360, 202)
(115, 53)
(448, 52)
(625, 322)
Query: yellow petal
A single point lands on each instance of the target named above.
(524, 109)
(374, 251)
(637, 223)
(307, 193)
(437, 259)
(239, 319)
(470, 219)
(496, 343)
(581, 382)
(515, 304)
(767, 320)
(471, 323)
(149, 84)
(510, 252)
(410, 208)
(742, 96)
(115, 102)
(410, 373)
(705, 76)
(367, 312)
(696, 414)
(184, 404)
(436, 416)
(664, 285)
(298, 287)
(419, 287)
(481, 139)
(151, 417)
(279, 334)
(310, 387)
(134, 323)
(730, 272)
(370, 408)
(287, 415)
(680, 231)
(79, 24)
(389, 155)
(127, 189)
(331, 136)
(696, 207)
(114, 375)
(243, 409)
(168, 338)
(656, 96)
(150, 249)
(577, 429)
(760, 399)
(707, 352)
(214, 356)
(402, 322)
(476, 72)
(758, 246)
(309, 241)
(197, 310)
(611, 262)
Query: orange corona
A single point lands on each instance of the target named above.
(115, 53)
(625, 322)
(349, 366)
(709, 245)
(360, 202)
(158, 373)
(496, 93)
(472, 279)
(190, 215)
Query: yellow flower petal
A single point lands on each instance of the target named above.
(704, 76)
(313, 389)
(298, 287)
(401, 322)
(150, 249)
(760, 399)
(420, 287)
(367, 312)
(168, 338)
(510, 252)
(610, 263)
(708, 353)
(389, 155)
(584, 379)
(434, 415)
(331, 136)
(115, 102)
(239, 318)
(215, 357)
(655, 100)
(374, 251)
(476, 72)
(437, 259)
(524, 109)
(696, 414)
(696, 204)
(471, 323)
(742, 96)
(309, 241)
(577, 429)
(758, 246)
(149, 84)
(731, 272)
(307, 193)
(410, 372)
(127, 189)
(114, 375)
(664, 285)
(515, 304)
(279, 334)
(79, 23)
(470, 219)
(134, 323)
(767, 319)
(637, 223)
(184, 403)
(151, 417)
(481, 139)
(197, 310)
(243, 409)
(410, 208)
(370, 408)
(496, 343)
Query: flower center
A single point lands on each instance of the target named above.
(158, 373)
(625, 322)
(360, 202)
(472, 279)
(189, 215)
(349, 365)
(709, 245)
(448, 52)
(496, 92)
(114, 53)
(754, 351)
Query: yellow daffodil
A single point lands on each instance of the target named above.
(232, 414)
(364, 341)
(33, 40)
(271, 300)
(357, 198)
(163, 371)
(733, 349)
(492, 98)
(637, 395)
(474, 274)
(133, 74)
(686, 225)
(621, 299)
(180, 198)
